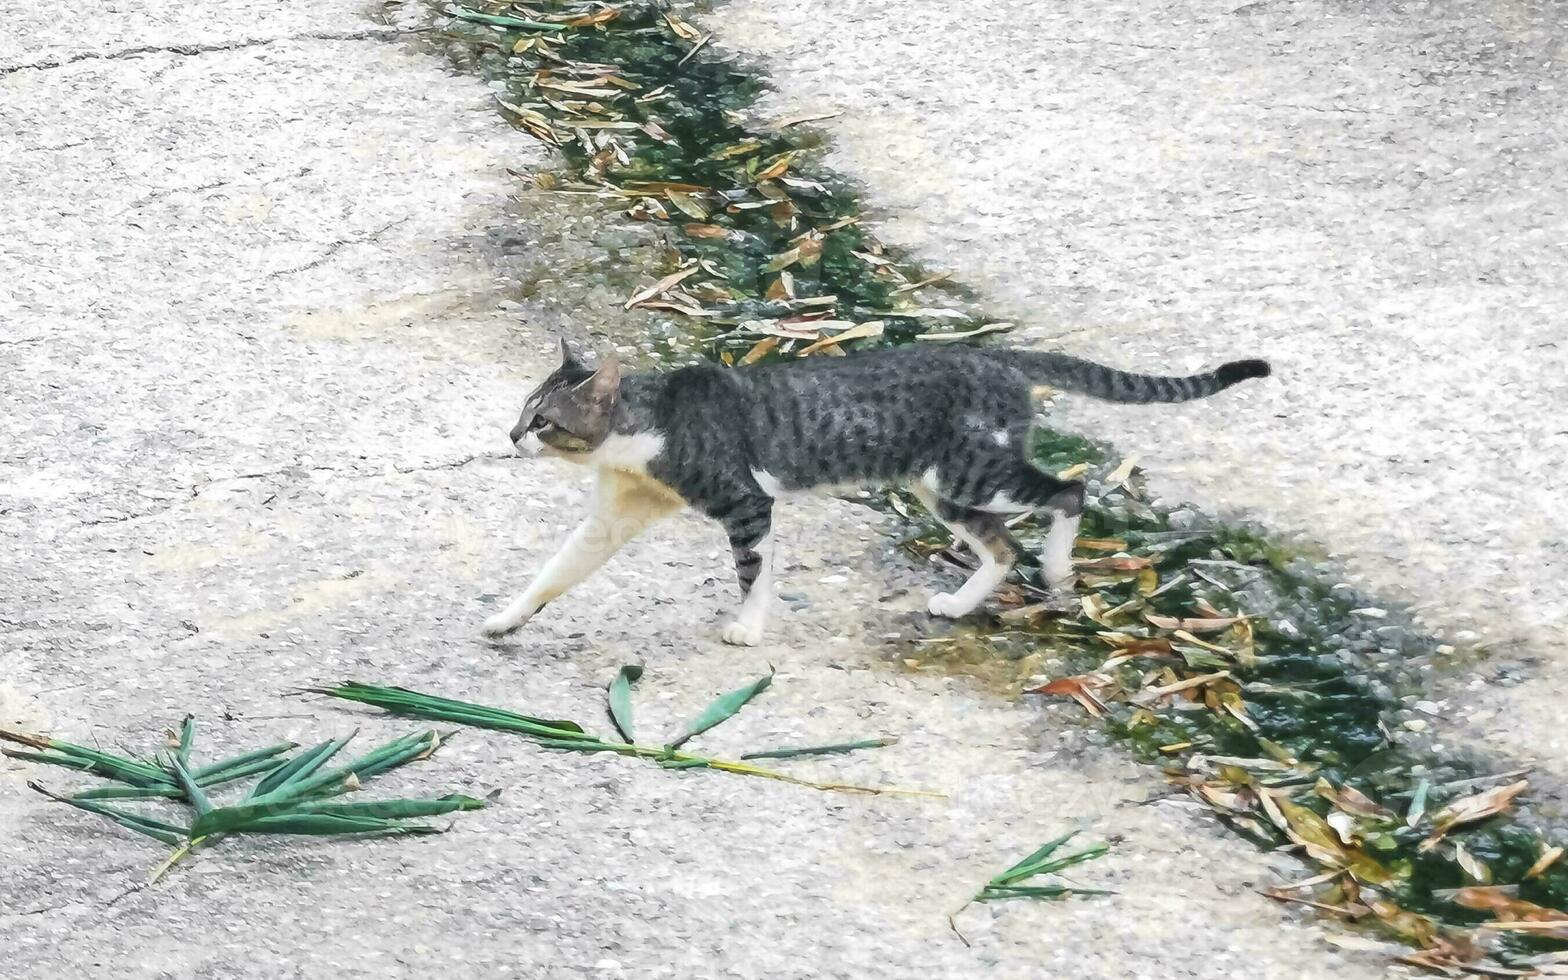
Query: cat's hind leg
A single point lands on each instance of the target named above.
(983, 533)
(620, 509)
(748, 521)
(1030, 489)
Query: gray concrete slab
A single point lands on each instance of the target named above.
(263, 318)
(1373, 196)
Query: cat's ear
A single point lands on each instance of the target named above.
(569, 360)
(590, 410)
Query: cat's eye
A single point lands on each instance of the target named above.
(539, 422)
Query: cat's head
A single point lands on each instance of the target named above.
(569, 414)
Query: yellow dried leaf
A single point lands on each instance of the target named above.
(1546, 860)
(775, 167)
(871, 328)
(759, 350)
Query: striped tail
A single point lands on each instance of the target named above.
(1099, 381)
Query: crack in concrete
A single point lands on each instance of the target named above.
(334, 248)
(189, 50)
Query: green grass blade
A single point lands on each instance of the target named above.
(99, 764)
(1045, 850)
(129, 793)
(620, 700)
(322, 824)
(790, 753)
(1051, 866)
(156, 829)
(585, 745)
(724, 708)
(193, 792)
(207, 772)
(239, 772)
(413, 703)
(393, 809)
(300, 767)
(187, 740)
(1035, 891)
(416, 745)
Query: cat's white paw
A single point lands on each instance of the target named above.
(743, 634)
(502, 623)
(1059, 580)
(948, 605)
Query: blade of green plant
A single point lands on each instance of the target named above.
(790, 753)
(1036, 891)
(248, 817)
(620, 700)
(238, 772)
(110, 767)
(723, 708)
(1044, 851)
(187, 782)
(393, 809)
(206, 772)
(416, 745)
(167, 833)
(300, 767)
(322, 824)
(290, 796)
(681, 760)
(129, 793)
(187, 740)
(214, 778)
(1050, 866)
(414, 703)
(495, 20)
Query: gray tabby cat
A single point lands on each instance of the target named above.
(951, 421)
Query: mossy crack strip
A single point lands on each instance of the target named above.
(1266, 690)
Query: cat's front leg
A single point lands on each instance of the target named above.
(621, 508)
(749, 523)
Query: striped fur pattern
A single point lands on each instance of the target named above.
(950, 421)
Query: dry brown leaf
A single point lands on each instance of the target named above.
(759, 350)
(1503, 902)
(860, 331)
(681, 28)
(1119, 476)
(775, 167)
(1101, 544)
(1112, 563)
(803, 117)
(602, 16)
(1352, 801)
(966, 334)
(706, 231)
(781, 261)
(1192, 625)
(1417, 929)
(663, 285)
(1354, 910)
(1078, 688)
(928, 281)
(1472, 865)
(1548, 858)
(781, 288)
(1153, 694)
(1472, 808)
